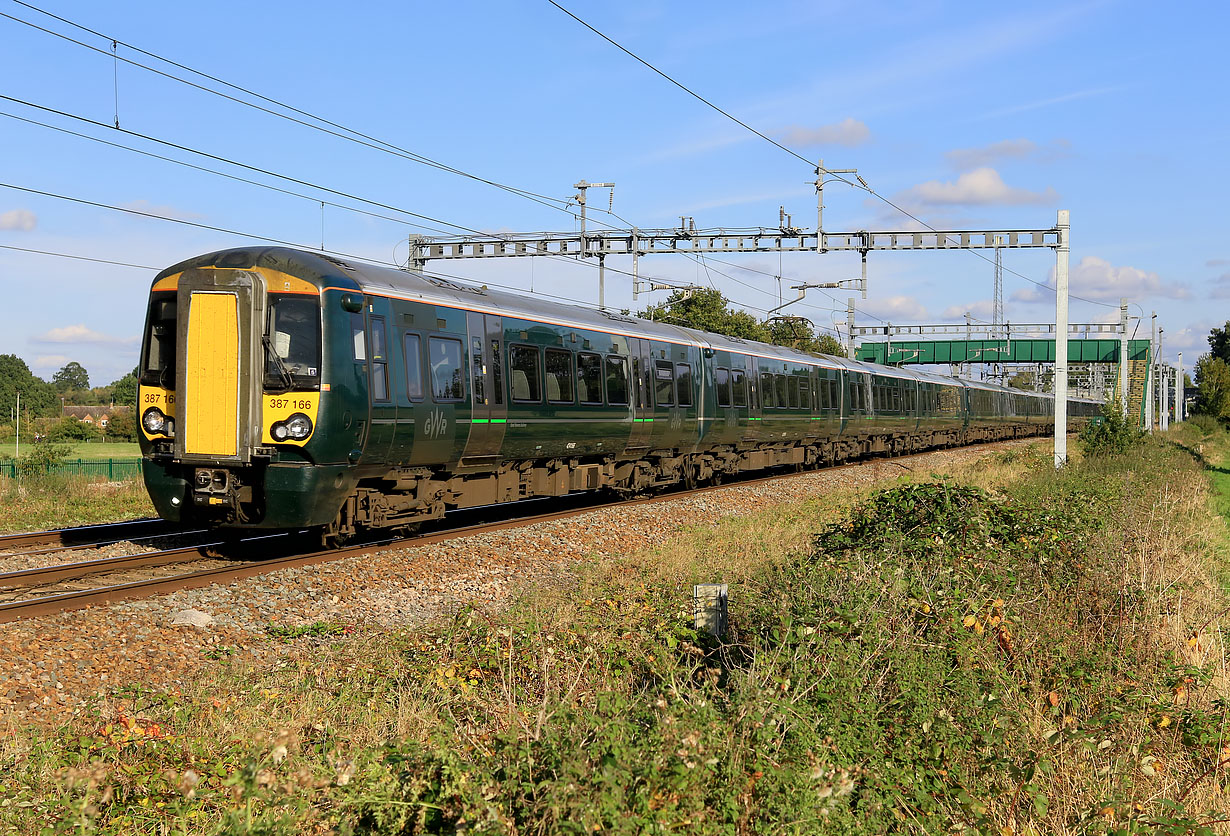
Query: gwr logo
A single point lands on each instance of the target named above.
(435, 425)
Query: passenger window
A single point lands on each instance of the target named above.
(793, 383)
(767, 401)
(559, 376)
(589, 378)
(444, 355)
(664, 383)
(414, 367)
(805, 394)
(616, 380)
(738, 382)
(722, 385)
(782, 399)
(683, 383)
(524, 377)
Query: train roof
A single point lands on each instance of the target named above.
(328, 272)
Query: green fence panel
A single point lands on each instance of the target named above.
(113, 470)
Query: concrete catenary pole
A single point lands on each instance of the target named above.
(1180, 394)
(1150, 377)
(1162, 384)
(1123, 356)
(1061, 339)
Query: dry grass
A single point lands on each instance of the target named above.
(63, 501)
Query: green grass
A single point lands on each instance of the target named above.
(81, 450)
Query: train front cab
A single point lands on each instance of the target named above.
(232, 390)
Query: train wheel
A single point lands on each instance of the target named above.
(332, 538)
(688, 478)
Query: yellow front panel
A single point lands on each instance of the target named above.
(211, 388)
(280, 407)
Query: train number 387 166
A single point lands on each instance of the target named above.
(289, 403)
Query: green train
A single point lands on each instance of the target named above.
(283, 389)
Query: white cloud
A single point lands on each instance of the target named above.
(1217, 262)
(967, 159)
(894, 309)
(45, 365)
(983, 309)
(81, 335)
(1194, 336)
(849, 132)
(981, 187)
(22, 219)
(1220, 287)
(1098, 279)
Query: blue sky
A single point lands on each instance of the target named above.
(969, 115)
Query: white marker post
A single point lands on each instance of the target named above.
(1061, 340)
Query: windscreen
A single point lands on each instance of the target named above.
(292, 343)
(158, 360)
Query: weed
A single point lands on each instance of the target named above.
(317, 629)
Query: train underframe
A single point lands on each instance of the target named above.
(406, 497)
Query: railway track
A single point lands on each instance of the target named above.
(85, 537)
(32, 597)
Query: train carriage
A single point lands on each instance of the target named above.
(286, 389)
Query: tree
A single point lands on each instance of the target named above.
(1213, 386)
(1023, 380)
(38, 398)
(123, 425)
(706, 310)
(124, 390)
(1219, 342)
(831, 345)
(72, 376)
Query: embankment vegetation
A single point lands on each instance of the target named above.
(1000, 650)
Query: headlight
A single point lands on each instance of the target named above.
(154, 421)
(278, 431)
(299, 426)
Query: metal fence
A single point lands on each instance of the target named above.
(113, 470)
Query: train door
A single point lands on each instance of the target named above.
(488, 411)
(383, 424)
(642, 394)
(755, 399)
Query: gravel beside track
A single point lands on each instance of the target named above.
(54, 666)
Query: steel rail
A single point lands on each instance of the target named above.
(68, 571)
(89, 535)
